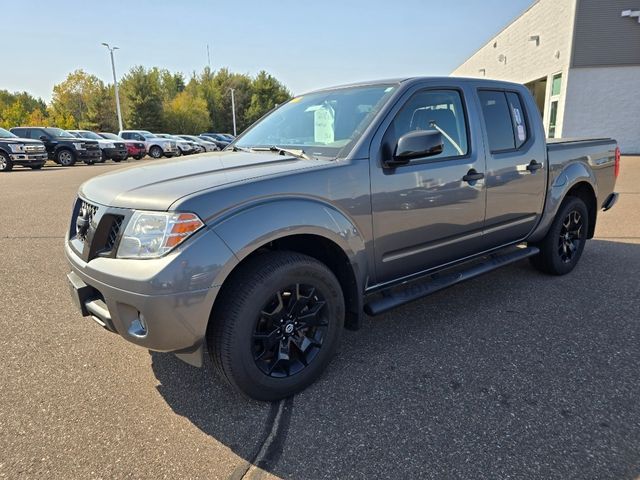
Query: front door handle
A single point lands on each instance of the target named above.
(533, 166)
(472, 176)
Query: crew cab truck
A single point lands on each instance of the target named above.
(157, 147)
(341, 202)
(20, 151)
(62, 147)
(110, 149)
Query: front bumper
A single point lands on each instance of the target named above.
(115, 153)
(161, 304)
(89, 154)
(28, 158)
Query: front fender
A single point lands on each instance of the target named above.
(569, 176)
(257, 225)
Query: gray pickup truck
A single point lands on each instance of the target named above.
(340, 202)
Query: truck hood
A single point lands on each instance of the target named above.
(27, 141)
(157, 185)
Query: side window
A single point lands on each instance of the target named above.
(36, 133)
(440, 110)
(517, 118)
(125, 135)
(497, 119)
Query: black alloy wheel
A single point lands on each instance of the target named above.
(289, 331)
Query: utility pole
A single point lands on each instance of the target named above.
(115, 83)
(233, 109)
(208, 58)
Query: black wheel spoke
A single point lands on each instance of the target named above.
(311, 317)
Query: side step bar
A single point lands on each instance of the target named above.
(419, 289)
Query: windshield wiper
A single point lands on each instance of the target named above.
(284, 151)
(239, 149)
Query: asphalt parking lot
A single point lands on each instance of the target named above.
(512, 375)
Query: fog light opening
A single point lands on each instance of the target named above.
(138, 327)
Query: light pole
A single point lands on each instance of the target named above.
(115, 83)
(233, 109)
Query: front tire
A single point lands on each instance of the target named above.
(6, 165)
(138, 157)
(561, 248)
(156, 152)
(66, 157)
(276, 325)
(37, 167)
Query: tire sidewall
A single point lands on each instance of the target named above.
(244, 369)
(572, 204)
(155, 149)
(61, 152)
(8, 165)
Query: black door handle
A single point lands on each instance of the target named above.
(473, 176)
(533, 166)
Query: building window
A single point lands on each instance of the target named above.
(556, 85)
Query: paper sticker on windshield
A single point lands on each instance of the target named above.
(295, 100)
(323, 124)
(521, 133)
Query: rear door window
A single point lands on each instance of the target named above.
(517, 118)
(497, 120)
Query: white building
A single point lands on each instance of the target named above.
(581, 61)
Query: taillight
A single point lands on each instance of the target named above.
(616, 169)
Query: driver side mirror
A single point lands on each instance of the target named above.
(44, 138)
(416, 144)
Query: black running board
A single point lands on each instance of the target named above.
(419, 289)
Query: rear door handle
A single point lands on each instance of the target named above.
(473, 176)
(533, 166)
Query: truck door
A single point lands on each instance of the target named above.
(431, 210)
(516, 169)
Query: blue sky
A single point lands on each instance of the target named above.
(304, 44)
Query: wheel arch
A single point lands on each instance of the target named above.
(308, 227)
(575, 179)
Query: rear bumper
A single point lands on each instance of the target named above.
(610, 201)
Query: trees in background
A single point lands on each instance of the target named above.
(152, 99)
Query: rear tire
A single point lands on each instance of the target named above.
(6, 165)
(562, 246)
(276, 324)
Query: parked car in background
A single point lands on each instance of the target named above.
(206, 145)
(156, 146)
(135, 148)
(229, 136)
(216, 138)
(62, 147)
(184, 147)
(114, 150)
(20, 151)
(342, 202)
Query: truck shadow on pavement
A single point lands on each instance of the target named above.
(515, 374)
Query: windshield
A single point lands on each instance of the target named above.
(87, 134)
(6, 134)
(322, 123)
(148, 135)
(58, 132)
(110, 136)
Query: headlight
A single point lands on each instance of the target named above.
(109, 145)
(152, 234)
(79, 146)
(16, 147)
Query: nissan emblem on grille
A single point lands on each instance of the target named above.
(82, 222)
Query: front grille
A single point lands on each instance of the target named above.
(140, 145)
(113, 232)
(119, 145)
(92, 146)
(88, 211)
(34, 148)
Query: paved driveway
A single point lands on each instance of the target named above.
(512, 375)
